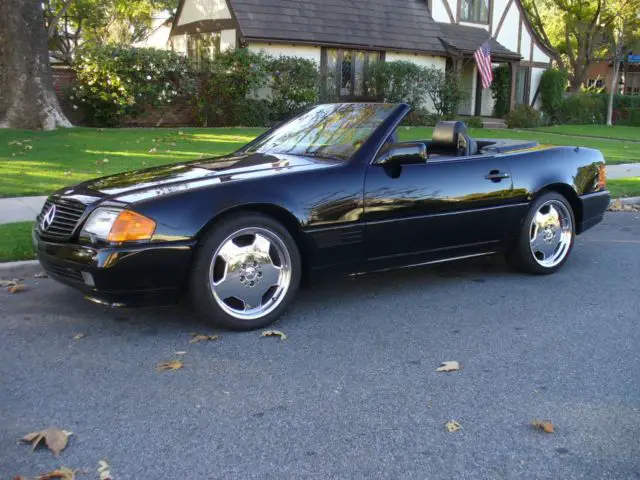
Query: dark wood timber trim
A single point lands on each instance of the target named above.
(534, 36)
(520, 36)
(490, 19)
(478, 105)
(532, 40)
(458, 10)
(176, 17)
(502, 18)
(205, 26)
(448, 9)
(512, 73)
(526, 63)
(430, 6)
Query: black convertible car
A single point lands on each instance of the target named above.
(330, 191)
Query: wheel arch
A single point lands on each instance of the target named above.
(568, 192)
(278, 213)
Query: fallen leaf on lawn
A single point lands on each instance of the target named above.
(67, 173)
(17, 288)
(15, 142)
(453, 426)
(449, 366)
(153, 150)
(180, 132)
(170, 365)
(54, 438)
(274, 333)
(98, 162)
(8, 283)
(28, 147)
(40, 275)
(198, 337)
(181, 352)
(63, 473)
(173, 144)
(544, 425)
(105, 160)
(104, 470)
(79, 336)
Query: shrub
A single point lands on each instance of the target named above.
(226, 82)
(523, 116)
(397, 82)
(581, 109)
(250, 112)
(501, 90)
(445, 91)
(294, 85)
(474, 122)
(628, 116)
(553, 84)
(116, 81)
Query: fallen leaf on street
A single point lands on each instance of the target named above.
(170, 365)
(449, 366)
(544, 425)
(17, 288)
(40, 275)
(8, 283)
(618, 206)
(181, 352)
(104, 470)
(453, 426)
(63, 473)
(54, 438)
(274, 333)
(79, 336)
(198, 337)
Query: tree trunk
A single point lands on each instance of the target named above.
(27, 97)
(612, 89)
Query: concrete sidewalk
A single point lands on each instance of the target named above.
(24, 209)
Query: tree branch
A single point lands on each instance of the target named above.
(56, 19)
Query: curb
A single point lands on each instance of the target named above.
(24, 263)
(627, 200)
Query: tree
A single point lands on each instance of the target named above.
(72, 23)
(27, 97)
(624, 30)
(575, 31)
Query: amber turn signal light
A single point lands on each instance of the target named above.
(131, 226)
(602, 177)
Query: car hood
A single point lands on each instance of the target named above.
(138, 185)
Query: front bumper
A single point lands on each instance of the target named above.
(593, 207)
(135, 275)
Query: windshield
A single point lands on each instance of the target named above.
(334, 131)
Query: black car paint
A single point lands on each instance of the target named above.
(349, 216)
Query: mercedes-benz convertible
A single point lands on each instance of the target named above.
(331, 191)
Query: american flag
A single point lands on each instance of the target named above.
(483, 60)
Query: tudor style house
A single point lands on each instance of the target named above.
(343, 36)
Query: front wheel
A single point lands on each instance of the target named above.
(546, 236)
(246, 272)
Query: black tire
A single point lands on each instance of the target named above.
(521, 255)
(200, 288)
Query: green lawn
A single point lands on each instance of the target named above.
(624, 187)
(15, 242)
(602, 131)
(36, 163)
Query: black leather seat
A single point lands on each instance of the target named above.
(451, 138)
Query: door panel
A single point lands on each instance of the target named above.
(435, 208)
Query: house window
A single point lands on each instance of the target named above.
(632, 84)
(476, 11)
(347, 72)
(595, 82)
(523, 85)
(202, 47)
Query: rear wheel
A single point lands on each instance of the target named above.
(246, 272)
(546, 237)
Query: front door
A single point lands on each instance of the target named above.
(439, 209)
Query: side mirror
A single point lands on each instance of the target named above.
(403, 154)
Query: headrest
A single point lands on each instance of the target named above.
(447, 133)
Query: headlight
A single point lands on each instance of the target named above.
(118, 226)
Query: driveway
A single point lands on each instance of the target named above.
(353, 392)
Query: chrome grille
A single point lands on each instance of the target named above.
(68, 214)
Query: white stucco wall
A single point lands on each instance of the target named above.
(196, 10)
(475, 25)
(468, 79)
(290, 50)
(227, 39)
(525, 45)
(508, 35)
(539, 55)
(498, 9)
(179, 44)
(439, 12)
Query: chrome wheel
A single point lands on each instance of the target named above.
(551, 233)
(250, 273)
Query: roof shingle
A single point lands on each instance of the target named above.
(468, 39)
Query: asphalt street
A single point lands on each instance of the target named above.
(352, 392)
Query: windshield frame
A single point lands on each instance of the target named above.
(391, 118)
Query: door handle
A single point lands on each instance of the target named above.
(496, 175)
